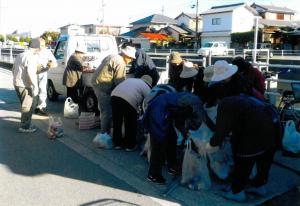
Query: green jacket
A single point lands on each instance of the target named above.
(110, 73)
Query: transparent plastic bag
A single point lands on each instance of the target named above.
(55, 128)
(194, 169)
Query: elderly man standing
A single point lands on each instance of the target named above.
(46, 61)
(26, 84)
(109, 74)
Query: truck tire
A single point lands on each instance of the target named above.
(51, 92)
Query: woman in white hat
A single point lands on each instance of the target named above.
(187, 76)
(72, 73)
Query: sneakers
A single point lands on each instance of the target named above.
(261, 191)
(41, 112)
(118, 147)
(131, 149)
(160, 180)
(28, 130)
(239, 197)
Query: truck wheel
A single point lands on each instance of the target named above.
(51, 93)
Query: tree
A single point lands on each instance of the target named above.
(12, 38)
(242, 38)
(1, 38)
(21, 39)
(27, 39)
(50, 36)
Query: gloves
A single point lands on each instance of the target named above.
(210, 149)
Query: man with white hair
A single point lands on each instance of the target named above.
(46, 61)
(26, 84)
(108, 75)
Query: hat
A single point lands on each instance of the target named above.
(188, 70)
(208, 72)
(175, 58)
(35, 43)
(129, 51)
(241, 63)
(81, 48)
(223, 70)
(147, 79)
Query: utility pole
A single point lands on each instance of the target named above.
(197, 21)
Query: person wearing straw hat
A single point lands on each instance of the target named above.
(108, 75)
(72, 73)
(175, 67)
(187, 76)
(126, 99)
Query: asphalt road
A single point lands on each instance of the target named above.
(37, 171)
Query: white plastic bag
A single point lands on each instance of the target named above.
(201, 137)
(291, 138)
(86, 120)
(55, 128)
(194, 169)
(70, 109)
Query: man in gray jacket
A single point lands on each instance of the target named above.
(26, 84)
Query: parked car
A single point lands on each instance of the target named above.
(98, 47)
(216, 48)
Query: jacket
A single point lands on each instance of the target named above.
(24, 70)
(72, 72)
(165, 108)
(255, 126)
(110, 73)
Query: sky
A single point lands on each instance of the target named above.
(38, 16)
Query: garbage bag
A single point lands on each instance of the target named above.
(55, 128)
(71, 109)
(291, 138)
(194, 169)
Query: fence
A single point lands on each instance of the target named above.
(8, 54)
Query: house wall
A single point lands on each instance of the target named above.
(225, 24)
(242, 20)
(190, 23)
(72, 29)
(273, 16)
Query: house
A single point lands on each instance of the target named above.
(154, 22)
(102, 29)
(220, 21)
(189, 21)
(71, 29)
(274, 20)
(176, 32)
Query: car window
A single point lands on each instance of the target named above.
(60, 50)
(208, 44)
(215, 45)
(93, 45)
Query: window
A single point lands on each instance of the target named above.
(60, 50)
(280, 16)
(216, 21)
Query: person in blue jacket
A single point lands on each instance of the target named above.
(160, 116)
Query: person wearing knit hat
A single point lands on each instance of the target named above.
(26, 84)
(175, 67)
(126, 99)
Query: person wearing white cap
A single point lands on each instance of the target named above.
(72, 73)
(126, 100)
(108, 75)
(26, 84)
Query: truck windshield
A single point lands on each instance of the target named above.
(93, 45)
(209, 44)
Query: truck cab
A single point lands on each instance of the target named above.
(98, 47)
(215, 48)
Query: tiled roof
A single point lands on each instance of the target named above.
(178, 29)
(155, 18)
(279, 23)
(154, 36)
(135, 32)
(276, 9)
(221, 9)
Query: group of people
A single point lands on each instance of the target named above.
(237, 89)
